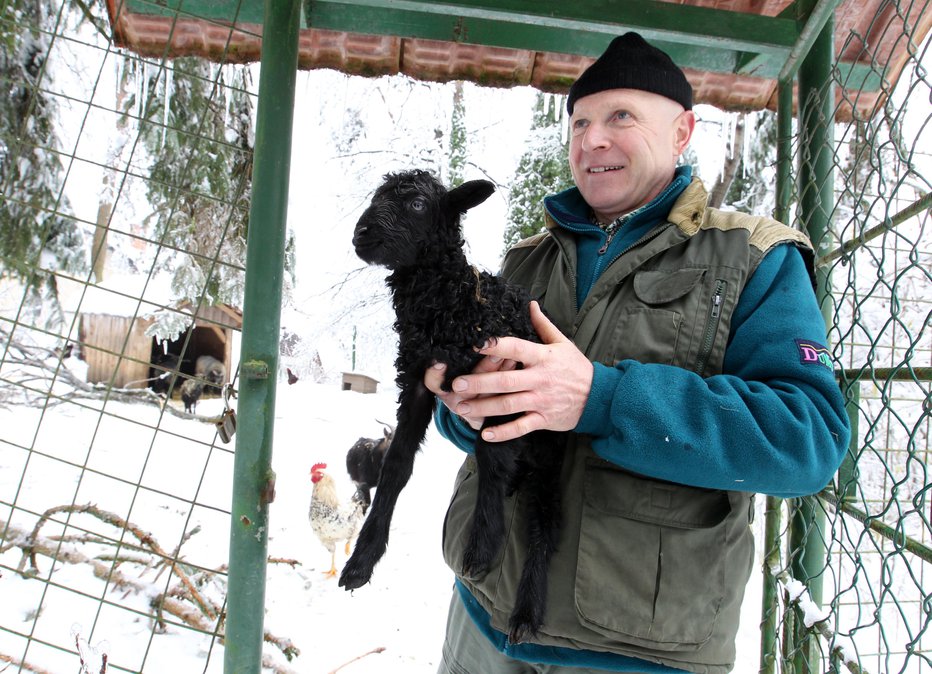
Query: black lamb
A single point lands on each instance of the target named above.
(446, 310)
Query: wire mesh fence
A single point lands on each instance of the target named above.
(114, 486)
(115, 477)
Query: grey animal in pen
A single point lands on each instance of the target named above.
(212, 371)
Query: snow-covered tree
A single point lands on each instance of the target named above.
(197, 125)
(457, 163)
(752, 185)
(542, 170)
(37, 235)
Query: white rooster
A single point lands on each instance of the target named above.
(331, 520)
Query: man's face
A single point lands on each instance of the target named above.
(623, 148)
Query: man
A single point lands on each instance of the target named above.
(678, 350)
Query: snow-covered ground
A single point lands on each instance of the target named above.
(184, 483)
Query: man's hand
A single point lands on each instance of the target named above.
(550, 390)
(434, 376)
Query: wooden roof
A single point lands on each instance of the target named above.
(731, 50)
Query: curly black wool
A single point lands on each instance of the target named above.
(445, 311)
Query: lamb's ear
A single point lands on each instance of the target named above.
(469, 194)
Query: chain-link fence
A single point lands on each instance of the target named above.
(863, 547)
(115, 465)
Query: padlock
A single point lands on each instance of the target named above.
(226, 425)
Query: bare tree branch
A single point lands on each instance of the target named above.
(182, 601)
(358, 657)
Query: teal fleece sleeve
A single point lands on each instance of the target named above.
(773, 422)
(454, 429)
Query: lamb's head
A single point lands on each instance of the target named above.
(413, 214)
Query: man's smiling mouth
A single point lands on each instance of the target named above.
(604, 169)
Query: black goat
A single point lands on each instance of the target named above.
(445, 310)
(163, 375)
(364, 461)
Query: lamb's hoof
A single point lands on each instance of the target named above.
(520, 632)
(524, 624)
(353, 577)
(474, 566)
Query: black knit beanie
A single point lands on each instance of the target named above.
(630, 62)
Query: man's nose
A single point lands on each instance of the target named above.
(595, 138)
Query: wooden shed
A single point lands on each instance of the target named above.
(118, 351)
(362, 383)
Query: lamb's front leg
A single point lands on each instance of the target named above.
(415, 407)
(496, 465)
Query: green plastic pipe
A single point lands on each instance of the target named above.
(816, 101)
(253, 479)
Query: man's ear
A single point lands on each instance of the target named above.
(683, 127)
(469, 194)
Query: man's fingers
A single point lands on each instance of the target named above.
(513, 429)
(511, 348)
(433, 377)
(489, 364)
(497, 406)
(546, 330)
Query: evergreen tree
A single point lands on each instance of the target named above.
(37, 236)
(198, 127)
(457, 163)
(542, 170)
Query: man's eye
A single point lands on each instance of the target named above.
(622, 114)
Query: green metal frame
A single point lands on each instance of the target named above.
(798, 44)
(253, 479)
(703, 38)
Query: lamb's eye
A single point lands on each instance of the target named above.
(418, 204)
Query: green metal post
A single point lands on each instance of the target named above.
(784, 151)
(816, 125)
(253, 479)
(770, 605)
(772, 522)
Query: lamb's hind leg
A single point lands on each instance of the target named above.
(415, 406)
(543, 487)
(497, 471)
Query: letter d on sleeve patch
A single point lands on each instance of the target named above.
(813, 353)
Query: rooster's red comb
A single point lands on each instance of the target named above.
(318, 466)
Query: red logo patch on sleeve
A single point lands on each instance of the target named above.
(813, 353)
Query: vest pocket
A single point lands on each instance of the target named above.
(459, 515)
(653, 322)
(650, 570)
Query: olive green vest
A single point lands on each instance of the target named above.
(644, 568)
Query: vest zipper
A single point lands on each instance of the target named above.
(711, 326)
